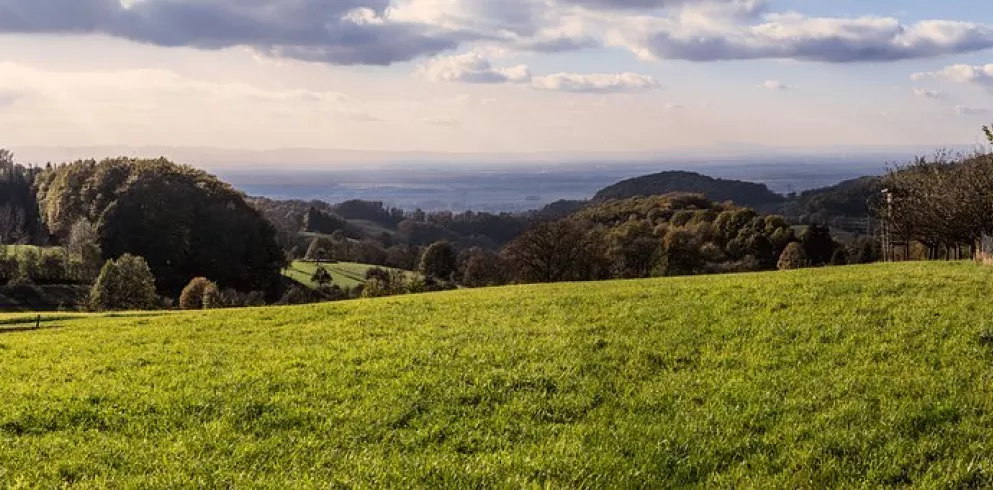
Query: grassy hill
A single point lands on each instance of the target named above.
(854, 376)
(345, 274)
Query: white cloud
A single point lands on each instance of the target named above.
(929, 93)
(382, 32)
(775, 85)
(598, 83)
(795, 36)
(472, 67)
(978, 75)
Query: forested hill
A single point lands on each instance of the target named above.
(719, 190)
(849, 199)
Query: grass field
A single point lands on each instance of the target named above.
(844, 377)
(345, 274)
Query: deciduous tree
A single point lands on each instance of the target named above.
(124, 284)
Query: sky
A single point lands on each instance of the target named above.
(493, 76)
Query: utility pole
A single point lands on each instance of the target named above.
(886, 226)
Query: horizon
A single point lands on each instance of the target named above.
(527, 77)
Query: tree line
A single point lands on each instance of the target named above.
(941, 205)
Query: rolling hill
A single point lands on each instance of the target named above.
(843, 377)
(740, 192)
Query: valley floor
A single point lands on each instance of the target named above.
(852, 376)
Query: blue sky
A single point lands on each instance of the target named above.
(493, 76)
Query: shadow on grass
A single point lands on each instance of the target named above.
(27, 327)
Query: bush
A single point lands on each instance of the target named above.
(255, 298)
(52, 268)
(793, 257)
(124, 284)
(296, 295)
(192, 295)
(212, 297)
(839, 257)
(8, 268)
(377, 273)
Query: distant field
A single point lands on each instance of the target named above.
(869, 376)
(345, 274)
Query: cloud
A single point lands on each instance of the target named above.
(929, 93)
(775, 85)
(596, 83)
(340, 32)
(970, 110)
(148, 90)
(472, 68)
(976, 75)
(383, 32)
(798, 37)
(739, 6)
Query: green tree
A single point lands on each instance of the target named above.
(124, 284)
(989, 132)
(484, 268)
(793, 257)
(321, 277)
(439, 261)
(563, 250)
(28, 264)
(183, 221)
(817, 244)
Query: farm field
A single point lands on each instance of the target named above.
(345, 274)
(843, 377)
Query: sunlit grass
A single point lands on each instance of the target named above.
(843, 377)
(345, 274)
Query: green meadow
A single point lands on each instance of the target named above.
(345, 274)
(843, 377)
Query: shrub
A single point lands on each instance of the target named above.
(377, 273)
(192, 296)
(255, 298)
(839, 257)
(296, 295)
(793, 257)
(52, 267)
(28, 268)
(124, 284)
(212, 297)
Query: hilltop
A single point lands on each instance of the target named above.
(740, 192)
(852, 376)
